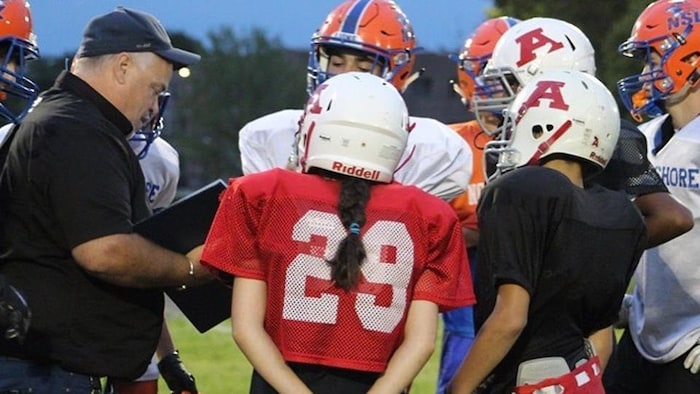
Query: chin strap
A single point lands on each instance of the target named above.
(544, 146)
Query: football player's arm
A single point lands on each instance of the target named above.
(602, 341)
(248, 307)
(415, 350)
(495, 338)
(665, 217)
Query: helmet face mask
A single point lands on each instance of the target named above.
(376, 28)
(495, 91)
(17, 46)
(564, 113)
(475, 54)
(666, 39)
(355, 124)
(151, 130)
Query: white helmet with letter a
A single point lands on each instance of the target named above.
(354, 124)
(528, 49)
(566, 112)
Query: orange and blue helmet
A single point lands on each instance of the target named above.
(17, 46)
(378, 28)
(476, 52)
(665, 36)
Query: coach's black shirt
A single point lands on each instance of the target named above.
(572, 249)
(71, 177)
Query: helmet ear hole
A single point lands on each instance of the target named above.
(537, 131)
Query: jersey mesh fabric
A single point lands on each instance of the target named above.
(629, 168)
(280, 227)
(572, 249)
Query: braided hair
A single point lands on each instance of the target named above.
(345, 265)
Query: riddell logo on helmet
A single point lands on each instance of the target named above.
(598, 158)
(359, 172)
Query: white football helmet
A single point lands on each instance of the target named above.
(526, 50)
(354, 124)
(564, 112)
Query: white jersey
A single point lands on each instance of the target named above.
(665, 313)
(436, 159)
(161, 169)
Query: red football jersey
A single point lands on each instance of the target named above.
(280, 227)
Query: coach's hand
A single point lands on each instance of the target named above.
(178, 378)
(692, 361)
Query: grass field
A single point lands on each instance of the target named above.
(220, 368)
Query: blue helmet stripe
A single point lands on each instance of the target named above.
(511, 21)
(352, 20)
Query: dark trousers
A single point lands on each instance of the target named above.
(629, 372)
(23, 376)
(321, 380)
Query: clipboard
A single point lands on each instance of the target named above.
(180, 227)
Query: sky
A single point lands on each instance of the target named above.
(440, 25)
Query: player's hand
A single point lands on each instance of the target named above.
(177, 377)
(14, 312)
(692, 361)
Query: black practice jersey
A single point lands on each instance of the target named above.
(574, 250)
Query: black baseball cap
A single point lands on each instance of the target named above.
(128, 30)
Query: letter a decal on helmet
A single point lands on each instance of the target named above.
(547, 90)
(532, 41)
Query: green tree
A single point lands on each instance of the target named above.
(238, 79)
